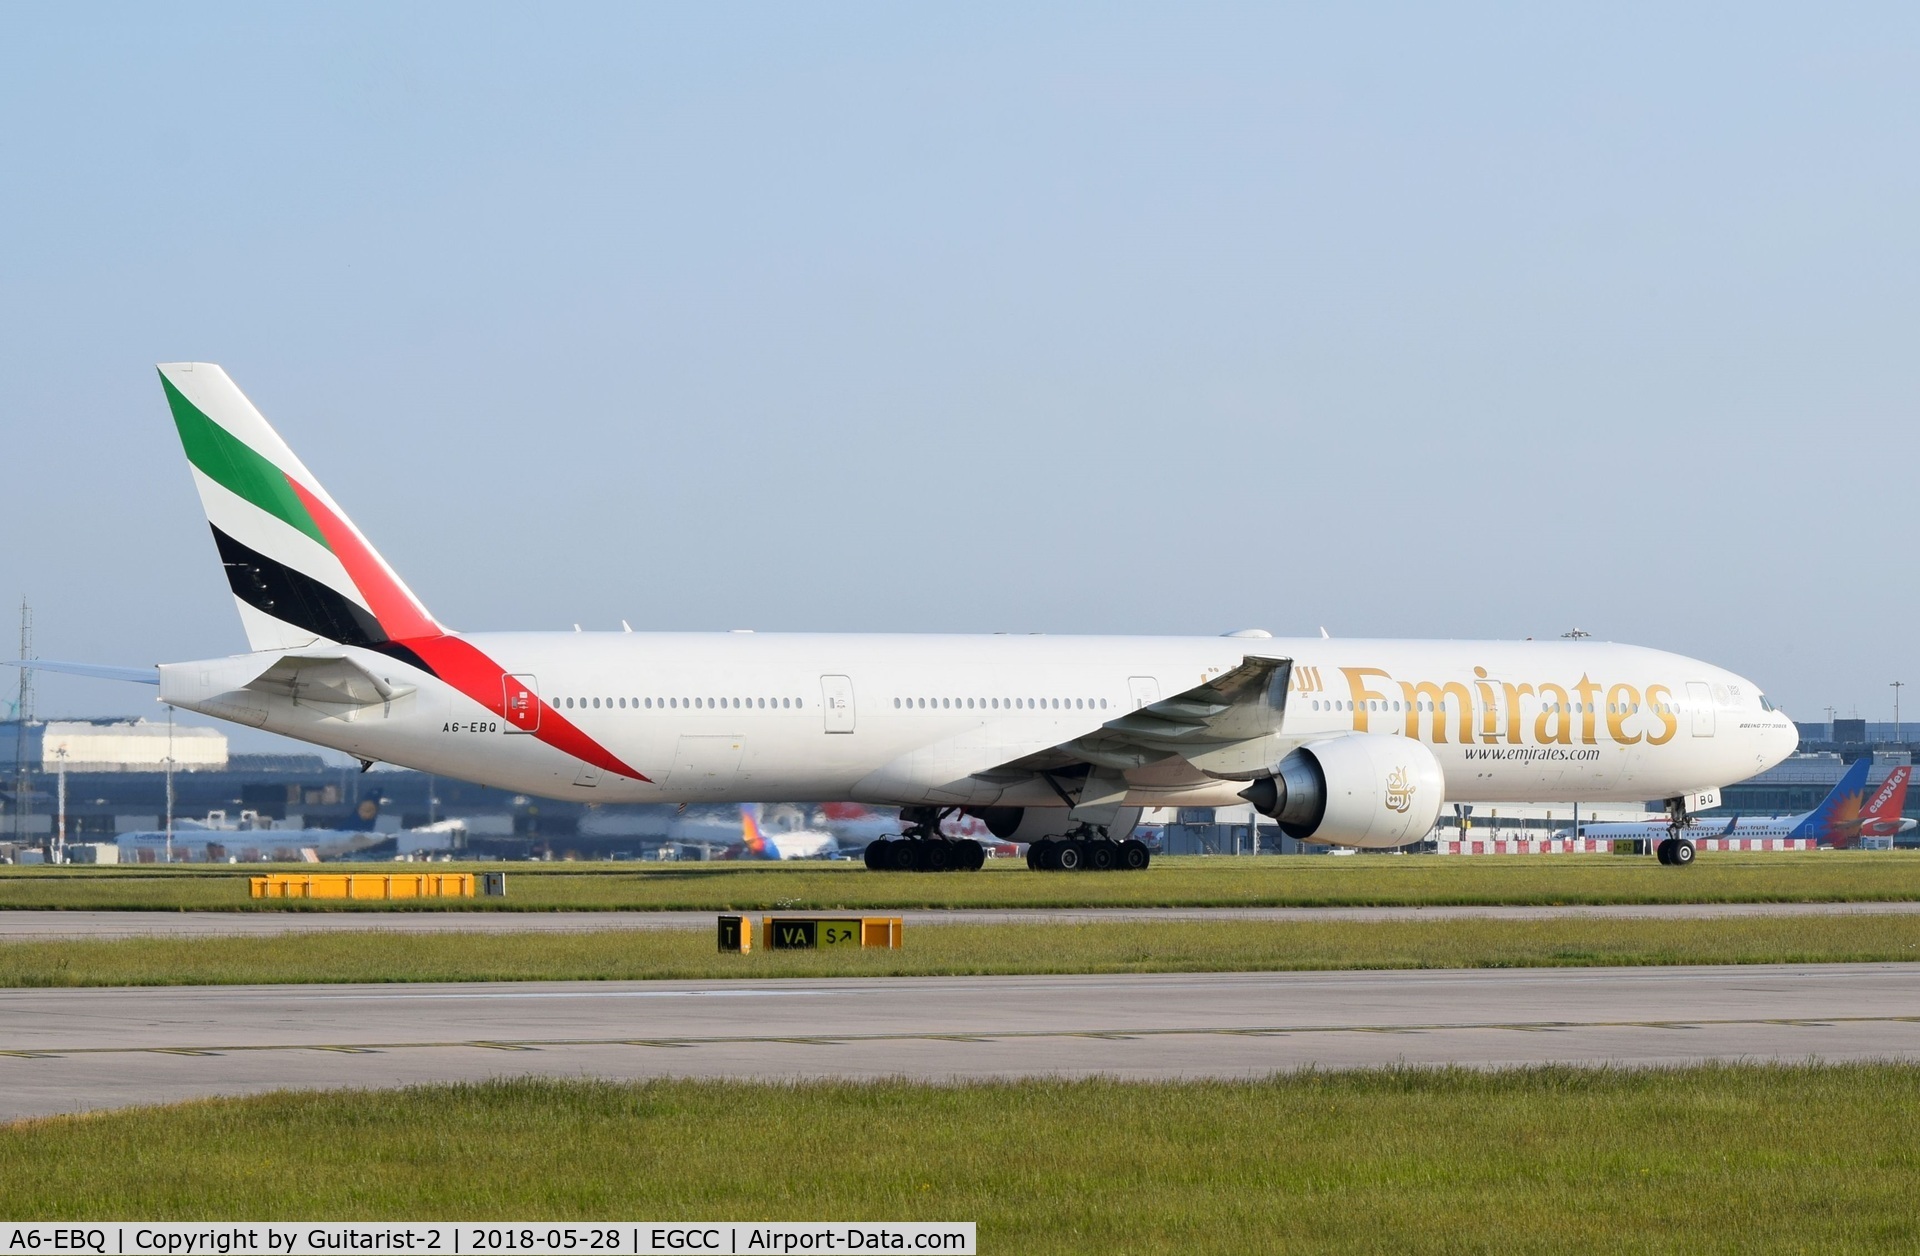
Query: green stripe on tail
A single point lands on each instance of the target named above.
(222, 458)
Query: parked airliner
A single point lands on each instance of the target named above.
(1837, 821)
(1349, 742)
(759, 842)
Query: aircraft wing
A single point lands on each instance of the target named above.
(1227, 728)
(99, 671)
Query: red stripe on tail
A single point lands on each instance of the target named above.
(461, 665)
(480, 678)
(399, 614)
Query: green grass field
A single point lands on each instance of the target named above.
(1824, 876)
(1723, 1158)
(1119, 946)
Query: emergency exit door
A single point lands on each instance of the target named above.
(1700, 702)
(522, 704)
(836, 698)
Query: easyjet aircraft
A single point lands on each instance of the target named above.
(1884, 814)
(1350, 742)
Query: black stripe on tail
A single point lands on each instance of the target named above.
(276, 589)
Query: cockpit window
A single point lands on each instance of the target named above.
(1764, 704)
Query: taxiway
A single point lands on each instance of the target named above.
(66, 1050)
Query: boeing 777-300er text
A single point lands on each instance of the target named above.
(1349, 742)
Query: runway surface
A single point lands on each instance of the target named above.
(74, 1049)
(23, 926)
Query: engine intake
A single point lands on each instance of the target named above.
(1367, 789)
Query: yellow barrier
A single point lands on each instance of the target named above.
(376, 885)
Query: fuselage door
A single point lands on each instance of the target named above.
(1145, 690)
(1700, 700)
(522, 705)
(836, 698)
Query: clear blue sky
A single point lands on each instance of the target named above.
(1428, 320)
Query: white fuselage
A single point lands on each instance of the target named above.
(726, 717)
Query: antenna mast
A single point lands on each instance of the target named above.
(23, 715)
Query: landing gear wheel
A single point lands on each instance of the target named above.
(1664, 851)
(1134, 855)
(1069, 856)
(873, 855)
(1682, 854)
(975, 857)
(1103, 856)
(939, 855)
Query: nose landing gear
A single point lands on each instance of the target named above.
(1676, 851)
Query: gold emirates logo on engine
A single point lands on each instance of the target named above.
(1494, 711)
(1399, 791)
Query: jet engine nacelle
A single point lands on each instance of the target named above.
(1368, 789)
(1030, 824)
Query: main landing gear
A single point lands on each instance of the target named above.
(1088, 849)
(1676, 852)
(921, 847)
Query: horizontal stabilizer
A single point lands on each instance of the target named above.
(332, 680)
(99, 671)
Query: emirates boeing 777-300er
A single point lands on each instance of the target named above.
(1055, 741)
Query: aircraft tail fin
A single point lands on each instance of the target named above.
(300, 571)
(1885, 810)
(1836, 821)
(755, 841)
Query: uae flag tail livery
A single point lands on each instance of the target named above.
(305, 577)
